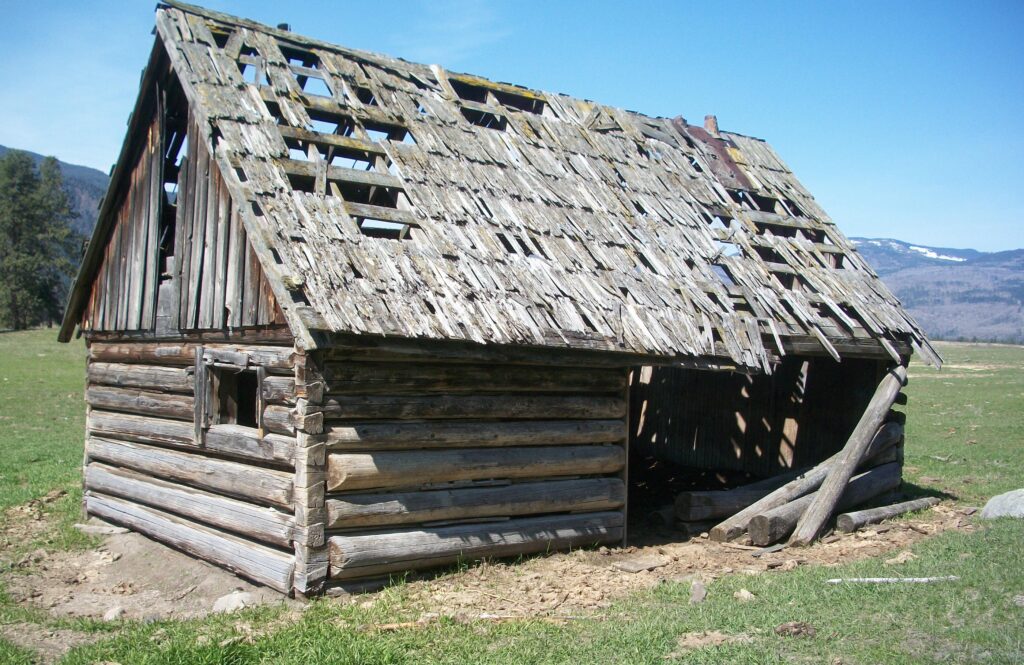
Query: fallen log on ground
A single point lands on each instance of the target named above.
(708, 505)
(850, 456)
(886, 437)
(848, 522)
(778, 523)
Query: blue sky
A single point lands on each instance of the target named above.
(905, 119)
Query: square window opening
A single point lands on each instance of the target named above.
(235, 395)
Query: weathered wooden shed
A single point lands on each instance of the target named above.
(349, 315)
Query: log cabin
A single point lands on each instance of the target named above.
(349, 315)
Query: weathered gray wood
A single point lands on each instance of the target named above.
(257, 562)
(230, 440)
(443, 434)
(849, 458)
(183, 353)
(776, 524)
(848, 522)
(279, 389)
(886, 437)
(375, 554)
(700, 506)
(240, 480)
(458, 406)
(142, 402)
(584, 495)
(285, 419)
(154, 377)
(692, 506)
(355, 471)
(246, 519)
(416, 378)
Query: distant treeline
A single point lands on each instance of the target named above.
(39, 249)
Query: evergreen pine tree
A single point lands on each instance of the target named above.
(38, 248)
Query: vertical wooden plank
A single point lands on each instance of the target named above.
(185, 247)
(139, 234)
(201, 390)
(156, 210)
(195, 278)
(207, 279)
(218, 316)
(235, 271)
(253, 276)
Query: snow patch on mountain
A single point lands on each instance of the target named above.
(934, 255)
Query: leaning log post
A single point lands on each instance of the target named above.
(849, 457)
(776, 524)
(848, 522)
(887, 436)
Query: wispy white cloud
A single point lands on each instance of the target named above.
(451, 32)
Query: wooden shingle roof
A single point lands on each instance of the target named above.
(393, 199)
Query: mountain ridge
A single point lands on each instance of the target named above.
(955, 294)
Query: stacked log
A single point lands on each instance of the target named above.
(228, 498)
(429, 463)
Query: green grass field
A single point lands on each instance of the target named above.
(965, 438)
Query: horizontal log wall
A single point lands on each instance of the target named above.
(228, 496)
(429, 462)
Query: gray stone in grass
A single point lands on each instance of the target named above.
(114, 613)
(233, 602)
(1010, 504)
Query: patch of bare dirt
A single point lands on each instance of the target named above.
(48, 645)
(131, 577)
(146, 580)
(705, 638)
(588, 580)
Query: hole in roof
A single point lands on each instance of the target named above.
(586, 320)
(249, 73)
(354, 192)
(540, 248)
(240, 174)
(485, 119)
(379, 228)
(313, 85)
(527, 250)
(394, 133)
(350, 162)
(430, 307)
(276, 255)
(298, 153)
(793, 208)
(365, 95)
(298, 56)
(519, 102)
(220, 37)
(645, 262)
(722, 274)
(837, 261)
(355, 271)
(393, 168)
(302, 183)
(727, 248)
(696, 165)
(640, 209)
(718, 222)
(422, 110)
(473, 93)
(509, 247)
